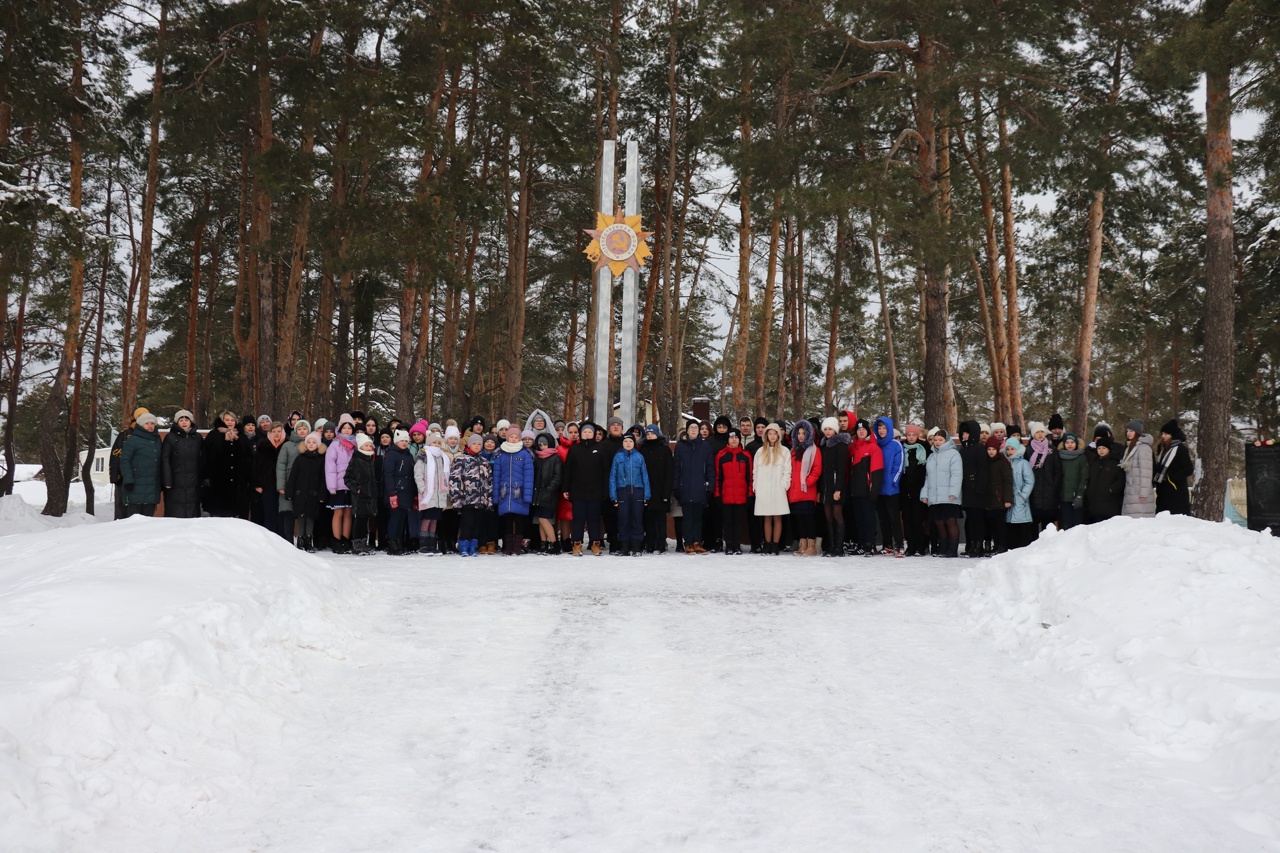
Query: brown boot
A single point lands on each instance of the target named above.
(688, 549)
(596, 549)
(698, 549)
(577, 549)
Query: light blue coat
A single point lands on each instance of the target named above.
(943, 476)
(1024, 480)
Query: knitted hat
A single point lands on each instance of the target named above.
(320, 424)
(614, 421)
(510, 429)
(984, 428)
(1034, 427)
(302, 422)
(434, 439)
(1014, 444)
(1055, 422)
(183, 413)
(586, 425)
(312, 440)
(434, 427)
(1073, 437)
(146, 418)
(996, 426)
(1105, 441)
(830, 423)
(345, 418)
(262, 418)
(994, 442)
(861, 423)
(139, 412)
(400, 435)
(626, 436)
(1103, 428)
(912, 429)
(652, 429)
(501, 425)
(1137, 425)
(475, 439)
(937, 431)
(451, 431)
(364, 444)
(529, 434)
(734, 431)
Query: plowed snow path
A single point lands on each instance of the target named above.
(713, 704)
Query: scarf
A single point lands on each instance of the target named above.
(806, 466)
(548, 452)
(1068, 455)
(512, 446)
(436, 462)
(1039, 452)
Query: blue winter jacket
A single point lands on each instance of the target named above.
(891, 449)
(1024, 481)
(695, 470)
(628, 470)
(513, 482)
(943, 476)
(397, 478)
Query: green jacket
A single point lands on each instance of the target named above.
(1075, 477)
(140, 468)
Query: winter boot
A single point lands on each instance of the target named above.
(577, 549)
(310, 546)
(360, 546)
(596, 549)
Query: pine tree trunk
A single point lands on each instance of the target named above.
(766, 321)
(193, 303)
(835, 298)
(1088, 319)
(1011, 281)
(1213, 433)
(744, 254)
(264, 139)
(933, 266)
(886, 319)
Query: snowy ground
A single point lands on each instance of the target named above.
(196, 686)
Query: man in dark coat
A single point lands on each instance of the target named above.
(656, 451)
(612, 446)
(113, 464)
(183, 461)
(140, 467)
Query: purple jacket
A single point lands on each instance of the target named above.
(336, 462)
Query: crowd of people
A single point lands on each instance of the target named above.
(834, 486)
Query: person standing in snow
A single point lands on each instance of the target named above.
(140, 468)
(1018, 519)
(629, 491)
(733, 489)
(1138, 464)
(471, 491)
(182, 453)
(227, 463)
(431, 474)
(802, 492)
(973, 455)
(564, 508)
(887, 503)
(660, 465)
(1045, 465)
(398, 491)
(337, 459)
(915, 520)
(834, 448)
(548, 473)
(264, 477)
(284, 464)
(866, 477)
(305, 489)
(1104, 497)
(694, 482)
(999, 499)
(512, 490)
(585, 482)
(1073, 486)
(1173, 471)
(113, 465)
(362, 482)
(771, 480)
(944, 481)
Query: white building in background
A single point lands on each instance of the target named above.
(101, 459)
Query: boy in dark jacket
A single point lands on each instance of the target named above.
(999, 497)
(694, 482)
(660, 464)
(585, 481)
(306, 489)
(399, 490)
(1104, 496)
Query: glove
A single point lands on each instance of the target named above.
(1077, 502)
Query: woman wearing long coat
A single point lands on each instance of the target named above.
(183, 461)
(1173, 471)
(227, 463)
(140, 468)
(1018, 518)
(771, 474)
(1138, 464)
(284, 464)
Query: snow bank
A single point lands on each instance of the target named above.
(18, 516)
(146, 667)
(1167, 625)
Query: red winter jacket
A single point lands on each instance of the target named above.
(733, 475)
(866, 467)
(794, 494)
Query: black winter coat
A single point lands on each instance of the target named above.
(548, 474)
(585, 474)
(835, 466)
(1173, 480)
(306, 487)
(660, 464)
(182, 456)
(263, 467)
(361, 480)
(694, 468)
(228, 471)
(977, 473)
(1104, 496)
(913, 471)
(999, 482)
(397, 478)
(1046, 492)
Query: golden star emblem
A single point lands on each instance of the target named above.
(618, 243)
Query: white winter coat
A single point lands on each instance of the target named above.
(771, 483)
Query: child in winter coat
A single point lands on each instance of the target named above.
(398, 490)
(471, 491)
(547, 475)
(306, 489)
(431, 475)
(629, 491)
(733, 488)
(834, 448)
(1105, 495)
(585, 483)
(888, 507)
(1138, 464)
(915, 522)
(1021, 525)
(1073, 477)
(513, 490)
(999, 498)
(361, 481)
